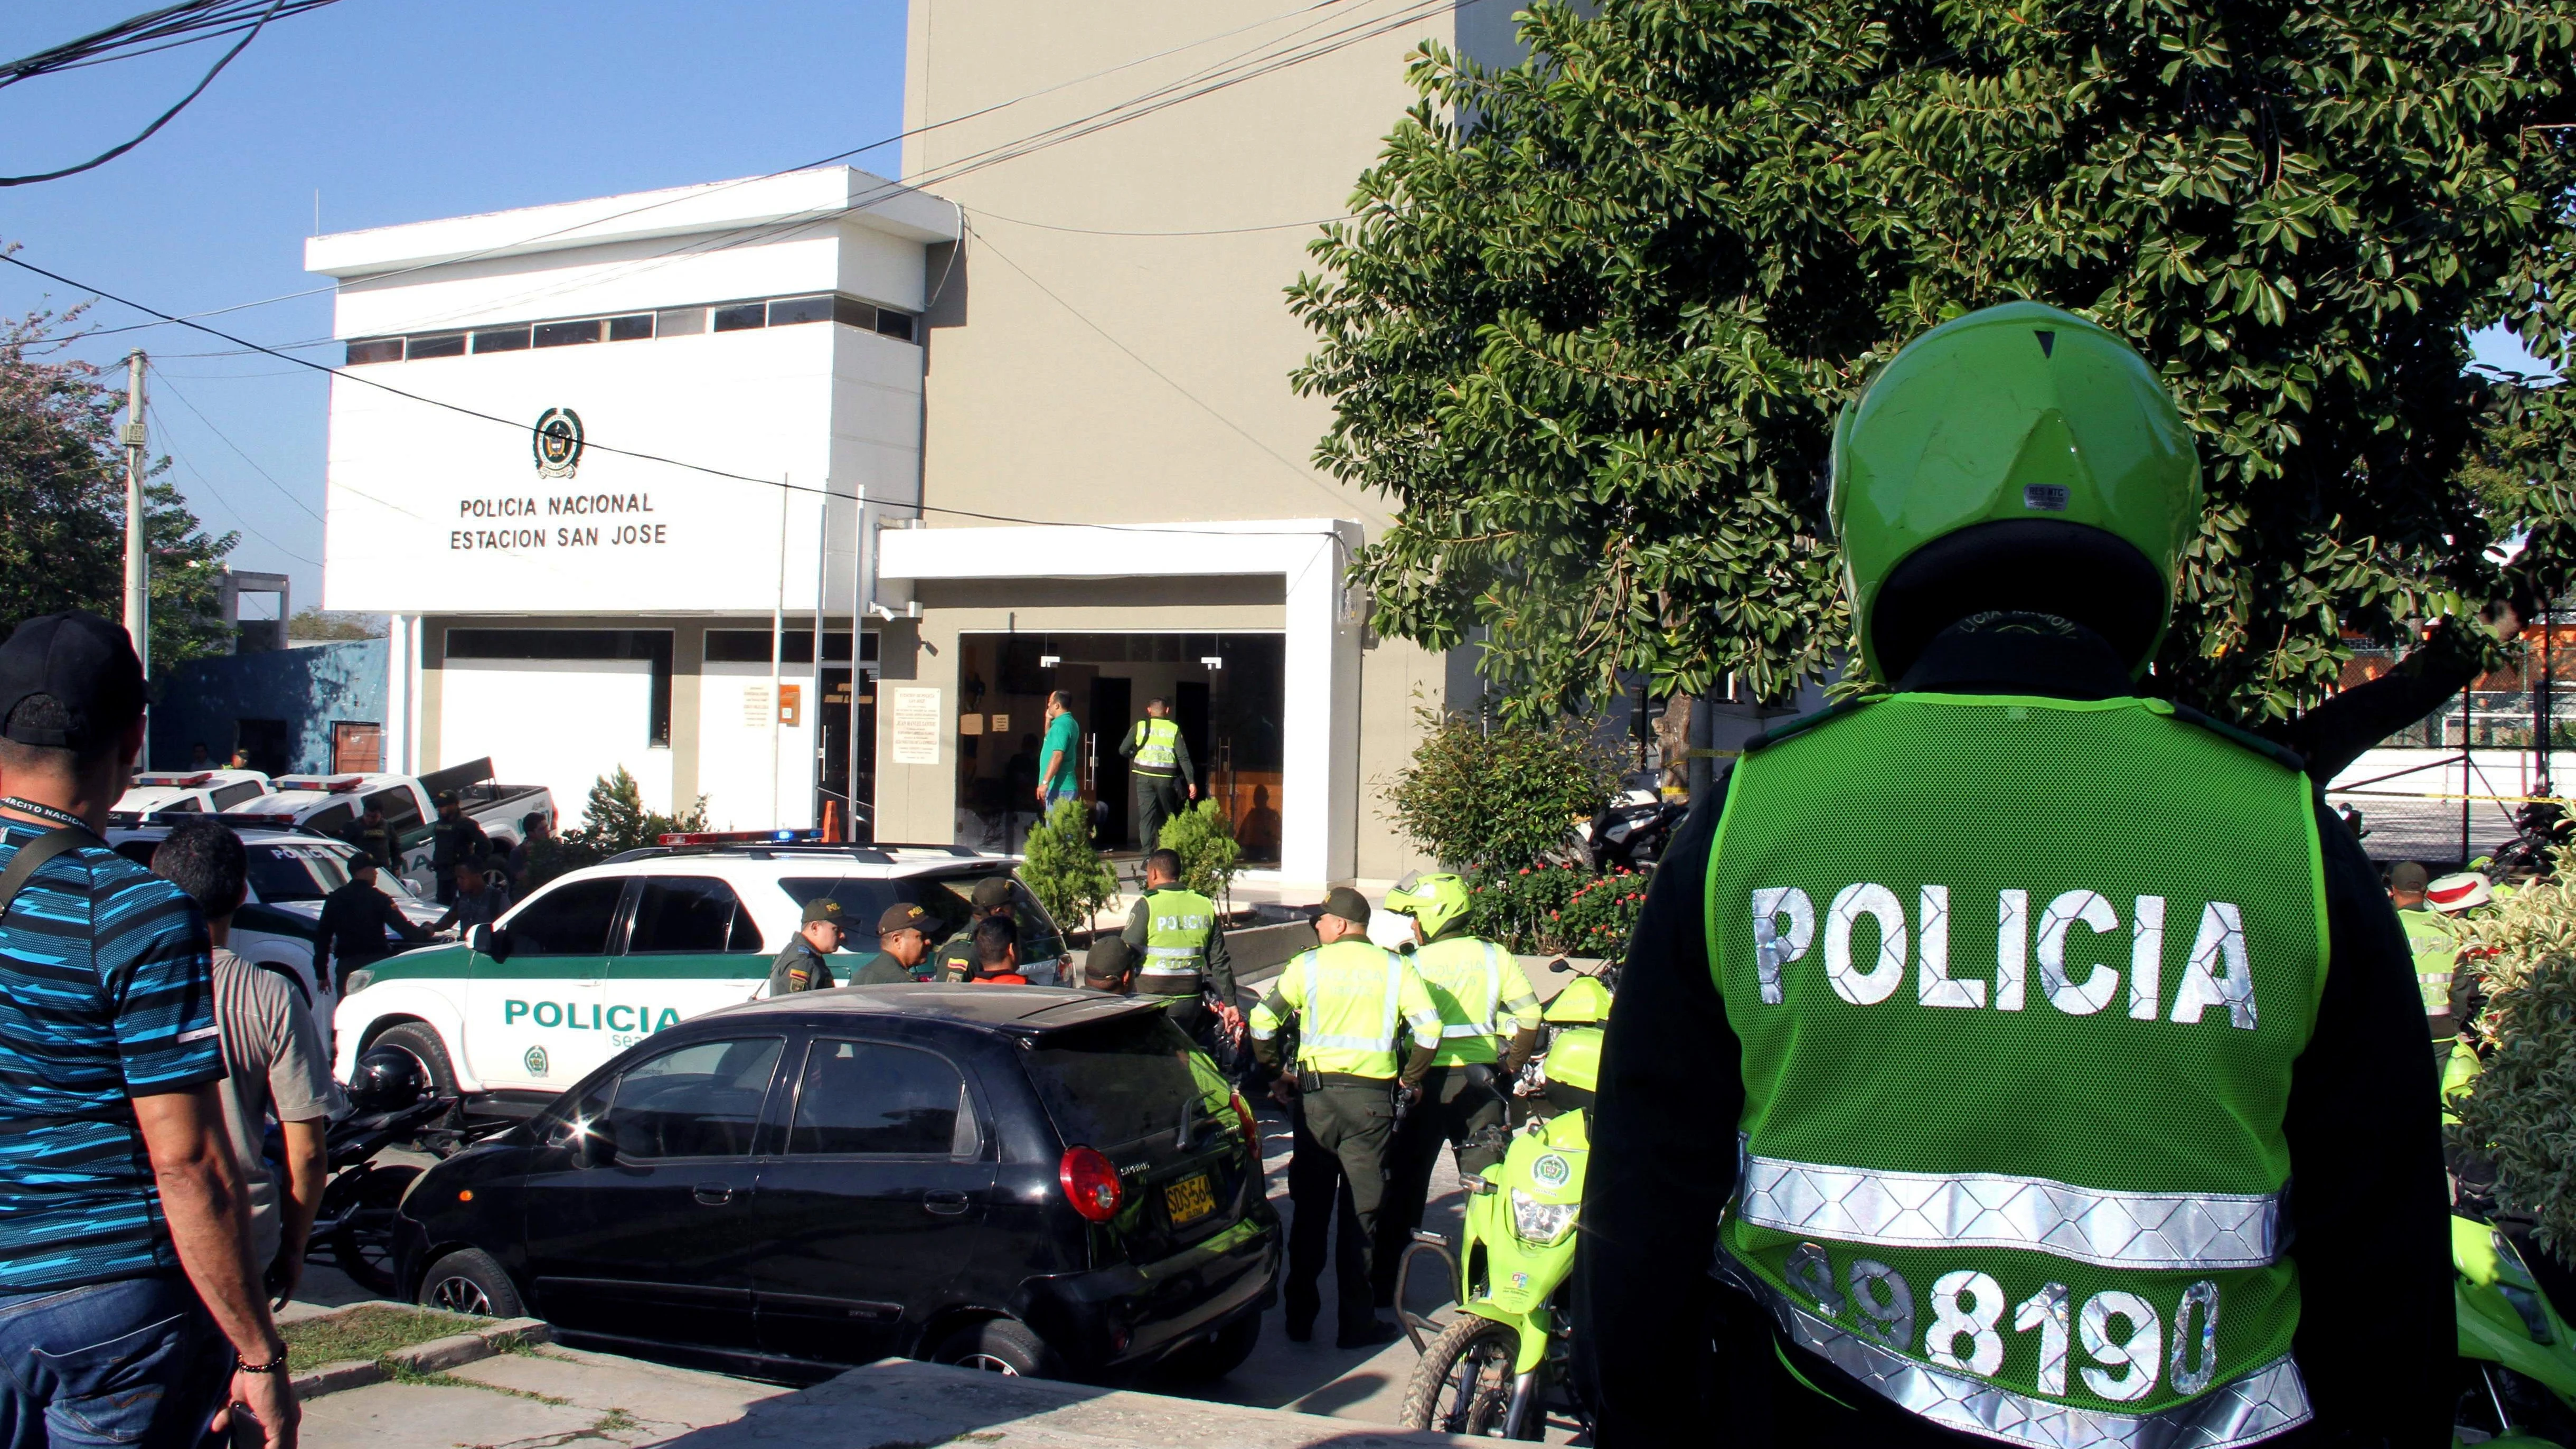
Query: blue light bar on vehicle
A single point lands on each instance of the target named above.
(739, 837)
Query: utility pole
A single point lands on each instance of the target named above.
(138, 561)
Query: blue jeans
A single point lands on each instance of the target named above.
(135, 1363)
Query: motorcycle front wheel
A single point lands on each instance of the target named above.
(363, 1246)
(1464, 1384)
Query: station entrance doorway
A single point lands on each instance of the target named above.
(1227, 693)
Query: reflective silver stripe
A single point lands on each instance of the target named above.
(1168, 971)
(1493, 987)
(2172, 1230)
(1353, 1043)
(1259, 1034)
(1394, 981)
(1168, 951)
(2246, 1410)
(1449, 1031)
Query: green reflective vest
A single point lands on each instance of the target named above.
(2019, 984)
(1158, 743)
(1356, 1005)
(1474, 983)
(2434, 941)
(1177, 926)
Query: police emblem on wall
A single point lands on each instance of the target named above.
(558, 443)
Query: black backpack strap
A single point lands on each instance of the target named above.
(32, 856)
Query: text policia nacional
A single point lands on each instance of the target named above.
(603, 520)
(2215, 972)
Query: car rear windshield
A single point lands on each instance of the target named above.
(945, 897)
(1111, 1084)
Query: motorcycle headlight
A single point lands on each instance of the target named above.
(1538, 1222)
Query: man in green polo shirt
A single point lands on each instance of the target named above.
(1059, 756)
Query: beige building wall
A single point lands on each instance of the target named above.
(1113, 341)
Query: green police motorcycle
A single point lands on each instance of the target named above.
(1506, 1362)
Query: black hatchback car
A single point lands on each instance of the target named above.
(1027, 1179)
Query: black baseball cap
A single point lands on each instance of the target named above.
(85, 664)
(1348, 904)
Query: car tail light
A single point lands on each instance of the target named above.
(1091, 1183)
(1251, 1135)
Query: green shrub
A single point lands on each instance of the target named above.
(613, 820)
(1064, 870)
(1205, 841)
(1499, 797)
(1556, 909)
(2522, 1111)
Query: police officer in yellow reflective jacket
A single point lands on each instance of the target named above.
(1366, 1032)
(1972, 1038)
(1489, 1021)
(1162, 770)
(1179, 948)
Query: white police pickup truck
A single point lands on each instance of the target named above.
(186, 792)
(290, 873)
(600, 958)
(330, 804)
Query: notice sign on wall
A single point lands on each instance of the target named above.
(755, 707)
(916, 726)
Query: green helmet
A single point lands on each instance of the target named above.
(1583, 1000)
(2018, 458)
(1435, 901)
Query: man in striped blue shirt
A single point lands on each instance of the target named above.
(128, 1297)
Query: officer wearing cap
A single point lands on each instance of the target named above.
(1367, 1031)
(1973, 1033)
(956, 956)
(901, 947)
(1106, 965)
(457, 839)
(803, 965)
(371, 836)
(1182, 943)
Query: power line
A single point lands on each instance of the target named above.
(694, 192)
(112, 152)
(587, 445)
(236, 447)
(157, 30)
(239, 517)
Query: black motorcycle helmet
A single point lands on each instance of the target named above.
(387, 1080)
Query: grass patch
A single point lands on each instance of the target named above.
(370, 1332)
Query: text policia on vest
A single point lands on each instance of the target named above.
(2214, 972)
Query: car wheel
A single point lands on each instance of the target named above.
(471, 1281)
(1001, 1346)
(1214, 1357)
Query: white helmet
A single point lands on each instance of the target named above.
(2452, 894)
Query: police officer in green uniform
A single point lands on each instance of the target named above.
(903, 950)
(1357, 1006)
(803, 965)
(1972, 1035)
(371, 836)
(955, 959)
(1162, 768)
(1180, 949)
(456, 839)
(1479, 988)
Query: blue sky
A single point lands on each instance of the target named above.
(395, 111)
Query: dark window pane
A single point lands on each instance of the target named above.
(680, 322)
(787, 311)
(184, 805)
(1124, 1079)
(568, 334)
(851, 312)
(402, 809)
(501, 339)
(690, 913)
(333, 820)
(701, 1100)
(873, 1098)
(895, 324)
(228, 796)
(741, 318)
(868, 646)
(443, 344)
(570, 920)
(375, 349)
(630, 329)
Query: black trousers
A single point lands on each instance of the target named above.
(1356, 1125)
(1318, 1199)
(1158, 798)
(1461, 1107)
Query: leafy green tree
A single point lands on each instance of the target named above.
(1204, 839)
(2521, 1113)
(613, 819)
(1064, 870)
(62, 503)
(1595, 314)
(1503, 797)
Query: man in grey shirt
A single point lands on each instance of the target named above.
(274, 1061)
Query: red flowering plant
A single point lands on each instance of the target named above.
(1556, 909)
